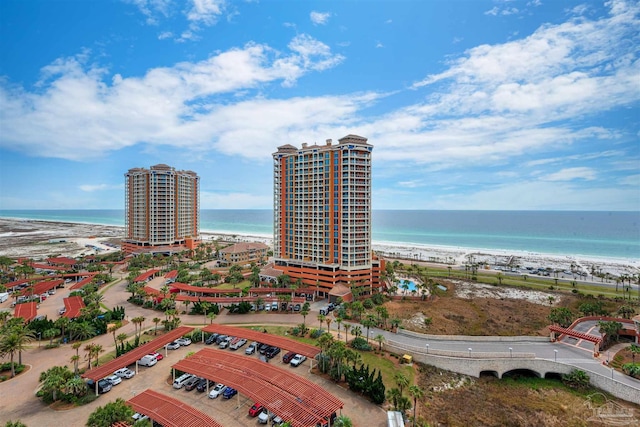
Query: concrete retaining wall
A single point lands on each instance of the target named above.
(499, 365)
(470, 337)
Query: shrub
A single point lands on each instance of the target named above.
(378, 299)
(368, 304)
(316, 333)
(632, 369)
(576, 379)
(360, 343)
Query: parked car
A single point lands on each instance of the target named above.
(124, 373)
(148, 360)
(229, 393)
(191, 383)
(211, 339)
(158, 356)
(181, 380)
(262, 348)
(288, 356)
(274, 306)
(139, 417)
(273, 351)
(62, 311)
(225, 342)
(202, 384)
(183, 341)
(296, 307)
(173, 345)
(104, 386)
(217, 390)
(255, 409)
(252, 348)
(297, 360)
(114, 379)
(221, 338)
(237, 344)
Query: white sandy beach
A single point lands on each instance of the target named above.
(32, 238)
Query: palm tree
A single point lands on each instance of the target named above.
(401, 381)
(81, 330)
(356, 330)
(156, 320)
(75, 359)
(212, 316)
(22, 337)
(304, 312)
(321, 318)
(112, 330)
(328, 321)
(50, 333)
(9, 344)
(75, 386)
(368, 322)
(417, 393)
(96, 350)
(4, 316)
(88, 349)
(342, 421)
(338, 322)
(394, 395)
(380, 339)
(347, 327)
(54, 379)
(122, 337)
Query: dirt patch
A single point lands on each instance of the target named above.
(456, 400)
(486, 313)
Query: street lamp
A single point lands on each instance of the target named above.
(555, 355)
(510, 351)
(469, 351)
(427, 345)
(39, 336)
(611, 373)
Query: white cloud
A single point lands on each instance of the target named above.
(319, 18)
(411, 184)
(99, 187)
(152, 9)
(156, 108)
(205, 11)
(388, 21)
(379, 45)
(165, 35)
(504, 12)
(570, 174)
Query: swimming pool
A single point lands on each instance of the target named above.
(410, 283)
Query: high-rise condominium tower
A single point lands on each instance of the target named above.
(322, 214)
(162, 209)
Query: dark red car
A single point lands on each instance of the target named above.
(255, 410)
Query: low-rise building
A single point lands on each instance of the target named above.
(244, 253)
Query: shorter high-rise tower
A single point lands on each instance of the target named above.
(162, 209)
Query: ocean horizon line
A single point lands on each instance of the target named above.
(386, 246)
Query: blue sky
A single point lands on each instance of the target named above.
(470, 104)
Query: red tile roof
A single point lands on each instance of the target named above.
(73, 306)
(135, 354)
(83, 282)
(62, 260)
(290, 396)
(42, 287)
(190, 288)
(282, 342)
(171, 275)
(144, 276)
(28, 311)
(169, 411)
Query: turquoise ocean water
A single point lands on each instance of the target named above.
(601, 234)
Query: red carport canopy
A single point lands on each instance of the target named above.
(265, 338)
(290, 396)
(135, 354)
(169, 411)
(27, 311)
(73, 305)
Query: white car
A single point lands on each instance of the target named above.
(139, 417)
(217, 391)
(183, 341)
(124, 373)
(297, 360)
(173, 345)
(114, 379)
(62, 311)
